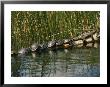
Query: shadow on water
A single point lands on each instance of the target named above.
(74, 62)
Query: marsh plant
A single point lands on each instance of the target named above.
(28, 27)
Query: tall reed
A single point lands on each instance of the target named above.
(28, 27)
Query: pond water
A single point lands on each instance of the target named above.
(72, 62)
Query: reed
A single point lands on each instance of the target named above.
(28, 27)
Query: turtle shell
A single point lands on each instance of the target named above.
(51, 44)
(35, 47)
(59, 43)
(24, 51)
(43, 46)
(67, 41)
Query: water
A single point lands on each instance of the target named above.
(74, 62)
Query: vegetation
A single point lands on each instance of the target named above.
(28, 27)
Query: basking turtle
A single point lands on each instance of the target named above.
(24, 51)
(96, 36)
(78, 42)
(67, 43)
(59, 43)
(51, 44)
(35, 47)
(43, 46)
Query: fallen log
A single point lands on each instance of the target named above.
(84, 35)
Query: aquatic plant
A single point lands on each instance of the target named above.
(28, 27)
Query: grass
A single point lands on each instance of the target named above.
(28, 27)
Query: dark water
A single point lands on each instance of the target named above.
(74, 62)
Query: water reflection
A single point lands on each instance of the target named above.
(74, 62)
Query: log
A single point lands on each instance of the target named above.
(84, 35)
(88, 34)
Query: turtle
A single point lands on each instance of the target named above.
(51, 44)
(35, 47)
(24, 51)
(96, 36)
(67, 41)
(66, 45)
(59, 43)
(43, 46)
